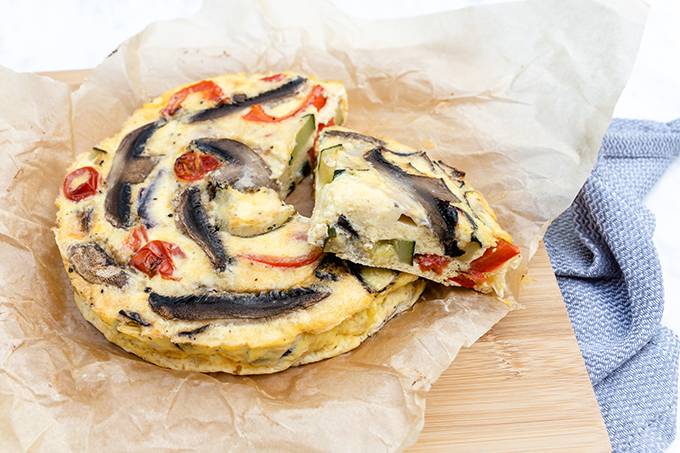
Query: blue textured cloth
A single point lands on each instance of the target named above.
(602, 251)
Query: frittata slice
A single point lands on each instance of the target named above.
(382, 204)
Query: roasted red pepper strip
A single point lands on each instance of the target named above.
(85, 189)
(194, 165)
(434, 263)
(156, 258)
(495, 257)
(136, 238)
(286, 261)
(315, 97)
(210, 90)
(469, 279)
(323, 126)
(257, 113)
(274, 77)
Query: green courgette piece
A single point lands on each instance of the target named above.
(339, 116)
(331, 232)
(404, 250)
(326, 171)
(303, 141)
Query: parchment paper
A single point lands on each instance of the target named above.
(517, 94)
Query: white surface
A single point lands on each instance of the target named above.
(69, 34)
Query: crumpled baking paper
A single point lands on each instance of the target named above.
(518, 94)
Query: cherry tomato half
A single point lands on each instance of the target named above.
(85, 180)
(315, 97)
(156, 258)
(194, 165)
(210, 90)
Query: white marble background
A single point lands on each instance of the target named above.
(43, 35)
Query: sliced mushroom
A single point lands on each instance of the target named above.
(92, 263)
(193, 332)
(85, 218)
(240, 101)
(128, 167)
(193, 221)
(344, 223)
(201, 307)
(117, 204)
(146, 195)
(330, 268)
(350, 135)
(245, 170)
(134, 316)
(431, 193)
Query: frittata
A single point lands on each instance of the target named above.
(182, 249)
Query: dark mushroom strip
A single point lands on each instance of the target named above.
(117, 204)
(193, 332)
(472, 198)
(239, 102)
(330, 268)
(85, 218)
(193, 221)
(92, 263)
(469, 218)
(201, 307)
(344, 223)
(431, 193)
(146, 195)
(350, 135)
(245, 170)
(134, 316)
(413, 158)
(128, 167)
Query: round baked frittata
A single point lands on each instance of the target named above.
(182, 249)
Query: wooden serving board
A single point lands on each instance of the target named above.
(522, 387)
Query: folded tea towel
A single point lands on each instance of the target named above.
(608, 271)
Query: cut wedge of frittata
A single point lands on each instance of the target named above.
(382, 204)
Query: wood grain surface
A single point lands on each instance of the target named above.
(522, 387)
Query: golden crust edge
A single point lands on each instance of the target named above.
(216, 359)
